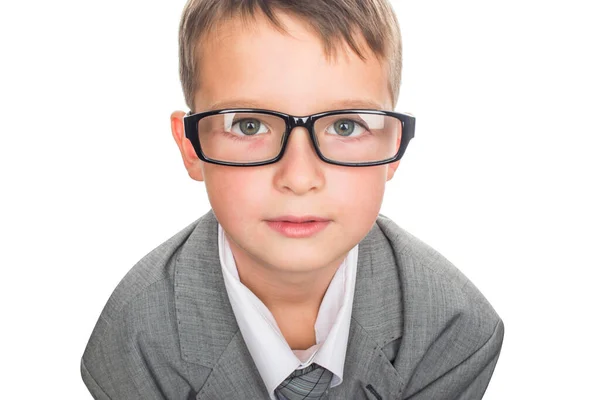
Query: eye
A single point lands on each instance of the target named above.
(346, 127)
(248, 127)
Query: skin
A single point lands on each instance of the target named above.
(260, 67)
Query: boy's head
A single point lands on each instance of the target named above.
(365, 26)
(300, 58)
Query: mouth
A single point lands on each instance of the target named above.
(298, 227)
(298, 220)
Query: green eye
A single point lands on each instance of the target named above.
(249, 126)
(344, 127)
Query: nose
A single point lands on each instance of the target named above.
(300, 170)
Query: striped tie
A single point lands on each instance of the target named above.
(309, 383)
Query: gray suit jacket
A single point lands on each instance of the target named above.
(419, 329)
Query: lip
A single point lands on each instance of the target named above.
(297, 220)
(298, 227)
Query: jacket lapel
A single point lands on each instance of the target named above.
(209, 334)
(376, 324)
(208, 331)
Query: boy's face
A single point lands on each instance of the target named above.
(262, 68)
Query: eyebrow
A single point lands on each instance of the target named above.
(342, 104)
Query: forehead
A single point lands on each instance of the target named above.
(255, 65)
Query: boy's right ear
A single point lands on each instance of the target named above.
(191, 161)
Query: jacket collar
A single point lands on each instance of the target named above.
(209, 334)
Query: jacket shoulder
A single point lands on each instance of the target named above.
(136, 332)
(154, 267)
(446, 318)
(423, 265)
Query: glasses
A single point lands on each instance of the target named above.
(251, 137)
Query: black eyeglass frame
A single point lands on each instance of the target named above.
(291, 121)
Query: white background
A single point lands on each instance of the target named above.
(501, 178)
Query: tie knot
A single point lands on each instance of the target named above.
(309, 383)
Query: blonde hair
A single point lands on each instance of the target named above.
(332, 20)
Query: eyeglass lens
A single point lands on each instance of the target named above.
(254, 137)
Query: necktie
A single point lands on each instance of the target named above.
(309, 383)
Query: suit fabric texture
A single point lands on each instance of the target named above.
(420, 330)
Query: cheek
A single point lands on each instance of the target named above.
(234, 192)
(359, 190)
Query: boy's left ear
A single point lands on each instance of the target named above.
(394, 166)
(392, 169)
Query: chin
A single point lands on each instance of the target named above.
(301, 259)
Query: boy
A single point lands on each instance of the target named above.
(292, 286)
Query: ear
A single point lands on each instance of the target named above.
(394, 166)
(392, 169)
(191, 161)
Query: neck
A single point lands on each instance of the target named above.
(288, 290)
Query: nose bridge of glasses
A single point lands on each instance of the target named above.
(302, 122)
(299, 121)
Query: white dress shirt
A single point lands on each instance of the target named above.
(274, 358)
